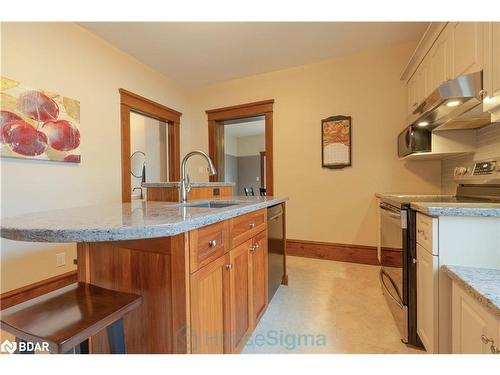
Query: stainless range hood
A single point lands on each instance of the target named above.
(456, 104)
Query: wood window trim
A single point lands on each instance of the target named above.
(261, 108)
(130, 102)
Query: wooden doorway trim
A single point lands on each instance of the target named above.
(130, 102)
(217, 116)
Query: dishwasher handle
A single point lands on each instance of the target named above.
(386, 289)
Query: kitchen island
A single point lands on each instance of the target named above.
(201, 268)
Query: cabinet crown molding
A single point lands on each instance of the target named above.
(424, 45)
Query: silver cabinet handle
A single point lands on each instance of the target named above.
(252, 225)
(253, 248)
(229, 266)
(212, 243)
(493, 348)
(256, 246)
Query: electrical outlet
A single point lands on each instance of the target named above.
(257, 178)
(60, 259)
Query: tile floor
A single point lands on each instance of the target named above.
(328, 307)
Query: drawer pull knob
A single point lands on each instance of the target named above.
(229, 267)
(252, 225)
(252, 248)
(212, 243)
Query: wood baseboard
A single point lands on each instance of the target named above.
(30, 291)
(341, 252)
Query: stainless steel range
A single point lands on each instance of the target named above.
(478, 183)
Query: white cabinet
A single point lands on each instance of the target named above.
(439, 62)
(475, 329)
(466, 47)
(491, 73)
(459, 49)
(412, 97)
(418, 87)
(427, 299)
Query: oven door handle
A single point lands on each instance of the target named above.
(382, 282)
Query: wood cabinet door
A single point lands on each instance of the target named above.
(422, 88)
(467, 47)
(208, 300)
(495, 63)
(439, 61)
(412, 99)
(239, 290)
(259, 268)
(470, 321)
(427, 299)
(491, 72)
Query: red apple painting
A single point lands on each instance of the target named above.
(36, 124)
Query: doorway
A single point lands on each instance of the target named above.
(244, 141)
(251, 119)
(150, 143)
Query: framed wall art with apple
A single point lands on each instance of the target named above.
(36, 124)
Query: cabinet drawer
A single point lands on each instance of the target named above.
(246, 226)
(208, 243)
(427, 233)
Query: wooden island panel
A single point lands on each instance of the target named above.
(171, 194)
(156, 270)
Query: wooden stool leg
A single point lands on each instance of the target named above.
(22, 343)
(116, 337)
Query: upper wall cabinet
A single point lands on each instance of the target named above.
(491, 74)
(440, 62)
(449, 50)
(467, 47)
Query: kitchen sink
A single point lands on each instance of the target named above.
(210, 204)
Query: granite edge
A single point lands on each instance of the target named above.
(483, 300)
(132, 233)
(439, 210)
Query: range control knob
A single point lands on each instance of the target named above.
(461, 171)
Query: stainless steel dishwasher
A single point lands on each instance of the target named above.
(276, 248)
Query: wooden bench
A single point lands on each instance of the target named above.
(62, 321)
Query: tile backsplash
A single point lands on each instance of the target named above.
(488, 146)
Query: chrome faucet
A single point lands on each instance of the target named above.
(185, 182)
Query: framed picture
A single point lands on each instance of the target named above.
(336, 142)
(37, 124)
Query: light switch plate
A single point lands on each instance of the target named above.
(60, 259)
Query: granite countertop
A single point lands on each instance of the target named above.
(177, 184)
(481, 283)
(457, 209)
(124, 221)
(436, 205)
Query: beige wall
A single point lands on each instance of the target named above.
(330, 205)
(66, 59)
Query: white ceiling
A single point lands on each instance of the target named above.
(195, 54)
(245, 129)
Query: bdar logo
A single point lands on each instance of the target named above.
(8, 347)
